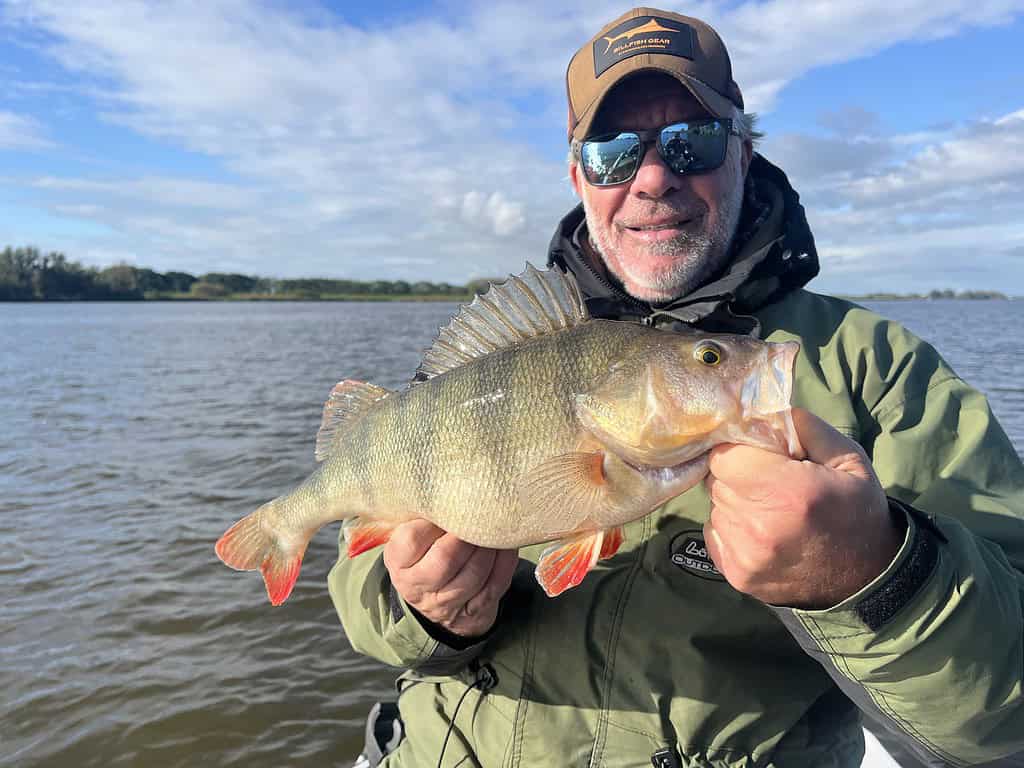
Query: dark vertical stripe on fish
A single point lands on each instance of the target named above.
(363, 468)
(422, 457)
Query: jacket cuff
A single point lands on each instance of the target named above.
(880, 600)
(911, 568)
(448, 652)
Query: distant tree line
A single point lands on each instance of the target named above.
(27, 274)
(947, 294)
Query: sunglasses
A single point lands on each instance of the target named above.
(687, 148)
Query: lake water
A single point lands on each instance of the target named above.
(134, 434)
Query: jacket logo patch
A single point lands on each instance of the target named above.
(688, 551)
(648, 34)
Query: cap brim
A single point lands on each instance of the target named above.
(715, 103)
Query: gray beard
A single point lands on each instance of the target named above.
(696, 256)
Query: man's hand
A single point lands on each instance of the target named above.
(801, 534)
(452, 583)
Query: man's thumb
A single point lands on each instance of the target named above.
(826, 446)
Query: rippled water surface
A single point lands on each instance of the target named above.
(133, 434)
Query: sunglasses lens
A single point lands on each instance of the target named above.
(687, 148)
(694, 147)
(610, 160)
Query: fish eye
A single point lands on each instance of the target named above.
(707, 353)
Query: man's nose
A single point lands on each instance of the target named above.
(653, 178)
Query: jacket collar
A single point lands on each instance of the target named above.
(774, 253)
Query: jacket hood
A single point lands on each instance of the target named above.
(774, 253)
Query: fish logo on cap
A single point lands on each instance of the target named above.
(646, 34)
(650, 26)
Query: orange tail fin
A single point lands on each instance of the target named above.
(249, 544)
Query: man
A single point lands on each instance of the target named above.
(757, 619)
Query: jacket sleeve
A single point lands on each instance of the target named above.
(380, 624)
(933, 649)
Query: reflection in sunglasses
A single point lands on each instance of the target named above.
(686, 148)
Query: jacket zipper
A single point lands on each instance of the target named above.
(646, 319)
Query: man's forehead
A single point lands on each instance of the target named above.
(642, 99)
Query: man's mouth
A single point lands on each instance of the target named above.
(657, 226)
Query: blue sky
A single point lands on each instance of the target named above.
(426, 141)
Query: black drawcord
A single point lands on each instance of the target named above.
(486, 679)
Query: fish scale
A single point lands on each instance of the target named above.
(535, 423)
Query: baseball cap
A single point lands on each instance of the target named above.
(647, 39)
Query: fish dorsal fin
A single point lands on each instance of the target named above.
(348, 401)
(530, 304)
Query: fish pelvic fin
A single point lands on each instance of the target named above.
(563, 565)
(612, 541)
(348, 401)
(251, 543)
(362, 535)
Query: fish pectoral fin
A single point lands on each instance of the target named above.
(362, 535)
(566, 489)
(564, 564)
(348, 401)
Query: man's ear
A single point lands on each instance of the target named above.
(748, 154)
(574, 176)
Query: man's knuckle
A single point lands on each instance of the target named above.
(450, 546)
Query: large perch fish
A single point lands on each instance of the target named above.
(533, 423)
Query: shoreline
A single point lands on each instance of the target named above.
(187, 298)
(408, 299)
(377, 298)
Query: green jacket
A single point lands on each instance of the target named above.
(655, 651)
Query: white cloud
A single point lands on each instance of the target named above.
(970, 171)
(946, 215)
(989, 152)
(175, 193)
(398, 148)
(21, 132)
(503, 216)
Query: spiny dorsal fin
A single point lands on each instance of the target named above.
(533, 303)
(348, 400)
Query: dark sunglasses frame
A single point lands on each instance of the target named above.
(654, 135)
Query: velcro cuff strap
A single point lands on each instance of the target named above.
(879, 607)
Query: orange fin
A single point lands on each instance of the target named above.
(564, 564)
(248, 545)
(244, 546)
(612, 541)
(280, 575)
(363, 535)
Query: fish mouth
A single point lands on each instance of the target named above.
(671, 474)
(765, 401)
(769, 388)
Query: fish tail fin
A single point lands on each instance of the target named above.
(252, 543)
